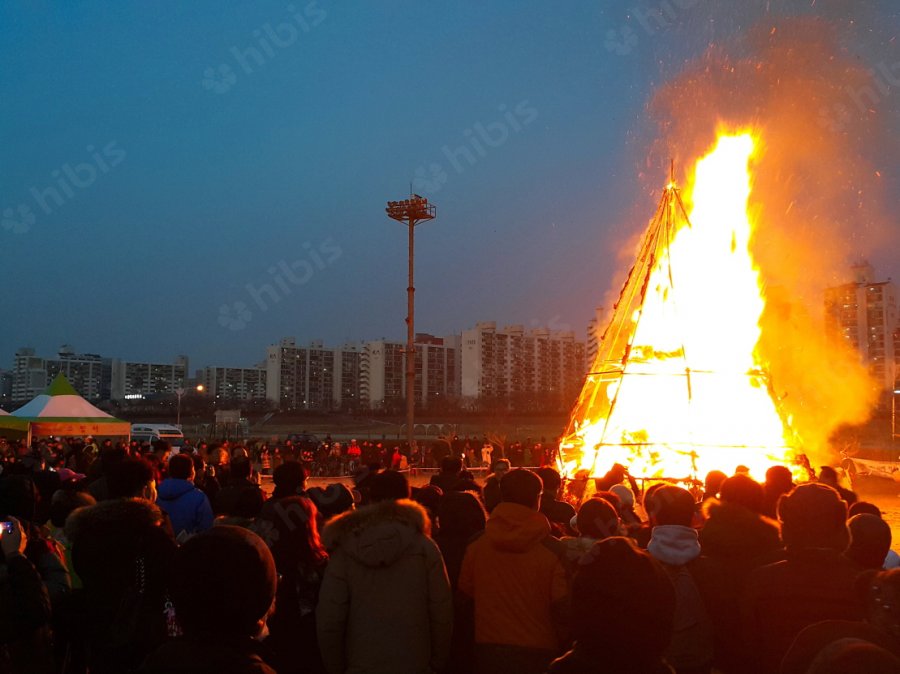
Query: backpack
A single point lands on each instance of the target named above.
(692, 634)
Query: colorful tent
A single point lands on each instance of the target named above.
(61, 411)
(10, 423)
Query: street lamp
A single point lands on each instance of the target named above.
(411, 212)
(894, 415)
(180, 391)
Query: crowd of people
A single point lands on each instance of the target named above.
(118, 559)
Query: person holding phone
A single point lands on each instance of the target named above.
(24, 605)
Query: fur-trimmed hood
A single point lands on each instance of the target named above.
(377, 534)
(731, 530)
(133, 513)
(109, 538)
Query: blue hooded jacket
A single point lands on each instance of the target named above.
(187, 506)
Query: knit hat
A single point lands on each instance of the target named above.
(624, 494)
(596, 519)
(331, 500)
(224, 583)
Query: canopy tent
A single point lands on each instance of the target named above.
(10, 423)
(59, 410)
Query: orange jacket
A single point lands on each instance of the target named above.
(515, 576)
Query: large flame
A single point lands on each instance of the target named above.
(677, 389)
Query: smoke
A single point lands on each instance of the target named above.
(824, 116)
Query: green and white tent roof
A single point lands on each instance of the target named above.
(59, 410)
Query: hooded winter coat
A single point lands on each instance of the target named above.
(385, 605)
(188, 507)
(678, 549)
(515, 575)
(735, 541)
(738, 537)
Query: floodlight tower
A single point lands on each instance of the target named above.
(411, 212)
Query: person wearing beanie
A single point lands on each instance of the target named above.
(674, 543)
(331, 501)
(630, 519)
(219, 628)
(596, 520)
(516, 580)
(892, 559)
(623, 618)
(870, 541)
(289, 479)
(815, 582)
(385, 605)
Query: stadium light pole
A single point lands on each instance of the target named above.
(411, 212)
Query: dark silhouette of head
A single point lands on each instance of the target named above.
(828, 475)
(743, 490)
(779, 480)
(241, 468)
(388, 485)
(181, 467)
(18, 497)
(813, 515)
(870, 540)
(460, 514)
(452, 465)
(129, 478)
(523, 487)
(597, 519)
(64, 501)
(289, 479)
(331, 500)
(551, 479)
(428, 496)
(862, 508)
(671, 505)
(713, 482)
(214, 601)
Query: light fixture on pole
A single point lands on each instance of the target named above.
(411, 212)
(180, 393)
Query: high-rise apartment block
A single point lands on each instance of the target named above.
(312, 377)
(515, 362)
(135, 379)
(89, 373)
(863, 313)
(383, 371)
(234, 383)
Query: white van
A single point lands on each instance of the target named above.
(154, 432)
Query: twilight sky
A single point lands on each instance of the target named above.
(208, 177)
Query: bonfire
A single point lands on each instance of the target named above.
(677, 388)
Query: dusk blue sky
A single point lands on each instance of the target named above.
(205, 183)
